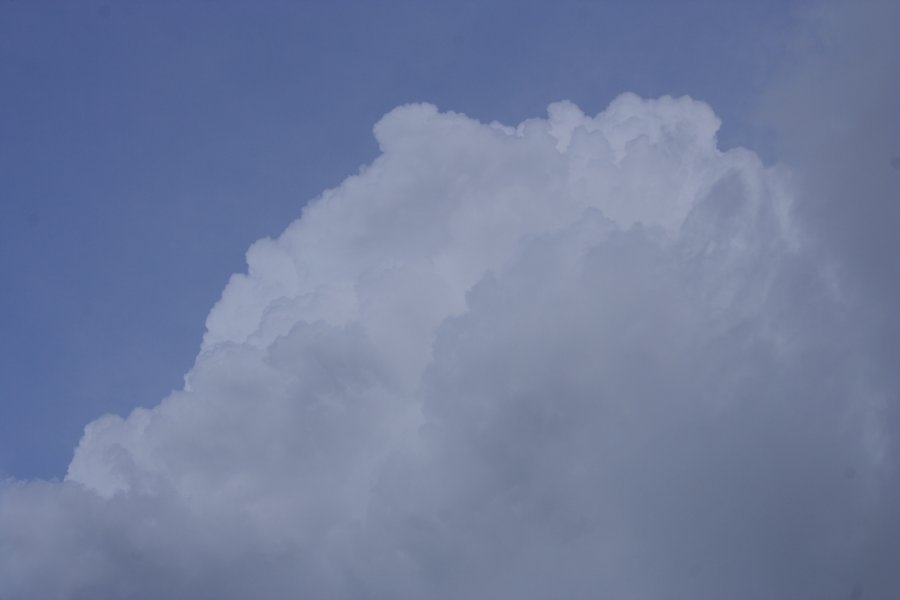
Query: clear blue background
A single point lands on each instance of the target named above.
(145, 145)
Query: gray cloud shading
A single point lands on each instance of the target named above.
(582, 357)
(836, 110)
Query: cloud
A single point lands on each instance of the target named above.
(580, 357)
(835, 109)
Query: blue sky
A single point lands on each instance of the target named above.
(143, 146)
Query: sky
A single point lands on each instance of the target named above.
(569, 299)
(146, 145)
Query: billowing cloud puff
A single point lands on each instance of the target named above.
(583, 357)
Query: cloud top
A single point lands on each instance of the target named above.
(580, 357)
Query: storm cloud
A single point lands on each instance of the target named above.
(580, 357)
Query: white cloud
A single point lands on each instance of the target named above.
(583, 357)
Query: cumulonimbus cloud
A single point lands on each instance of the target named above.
(582, 357)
